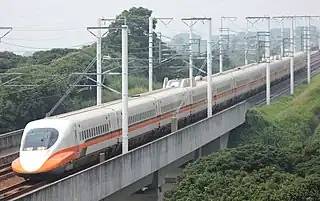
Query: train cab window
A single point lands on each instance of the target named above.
(40, 139)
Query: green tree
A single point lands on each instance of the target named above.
(51, 72)
(9, 60)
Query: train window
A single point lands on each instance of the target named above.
(170, 107)
(200, 97)
(107, 127)
(223, 88)
(40, 139)
(257, 76)
(242, 82)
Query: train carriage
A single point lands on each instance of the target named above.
(60, 143)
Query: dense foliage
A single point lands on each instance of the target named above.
(46, 75)
(273, 156)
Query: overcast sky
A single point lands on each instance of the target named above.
(42, 24)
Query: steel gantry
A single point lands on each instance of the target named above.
(99, 37)
(292, 49)
(151, 46)
(266, 59)
(124, 28)
(224, 37)
(192, 22)
(307, 38)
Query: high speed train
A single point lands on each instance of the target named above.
(63, 142)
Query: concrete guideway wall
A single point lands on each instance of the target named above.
(11, 139)
(104, 179)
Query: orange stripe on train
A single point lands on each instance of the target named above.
(66, 155)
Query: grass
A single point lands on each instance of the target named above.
(274, 156)
(288, 122)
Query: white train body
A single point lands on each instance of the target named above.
(58, 143)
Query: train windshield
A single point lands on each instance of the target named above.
(40, 139)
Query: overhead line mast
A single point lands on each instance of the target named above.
(192, 22)
(267, 52)
(221, 39)
(151, 47)
(125, 129)
(307, 40)
(292, 49)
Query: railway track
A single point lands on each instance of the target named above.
(4, 160)
(26, 186)
(315, 70)
(19, 189)
(6, 172)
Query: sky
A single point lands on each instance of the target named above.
(45, 24)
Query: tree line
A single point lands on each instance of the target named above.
(47, 75)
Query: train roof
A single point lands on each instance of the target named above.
(140, 98)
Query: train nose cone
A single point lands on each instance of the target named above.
(31, 161)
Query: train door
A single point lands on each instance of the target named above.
(109, 118)
(76, 138)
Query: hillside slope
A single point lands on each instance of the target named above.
(273, 156)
